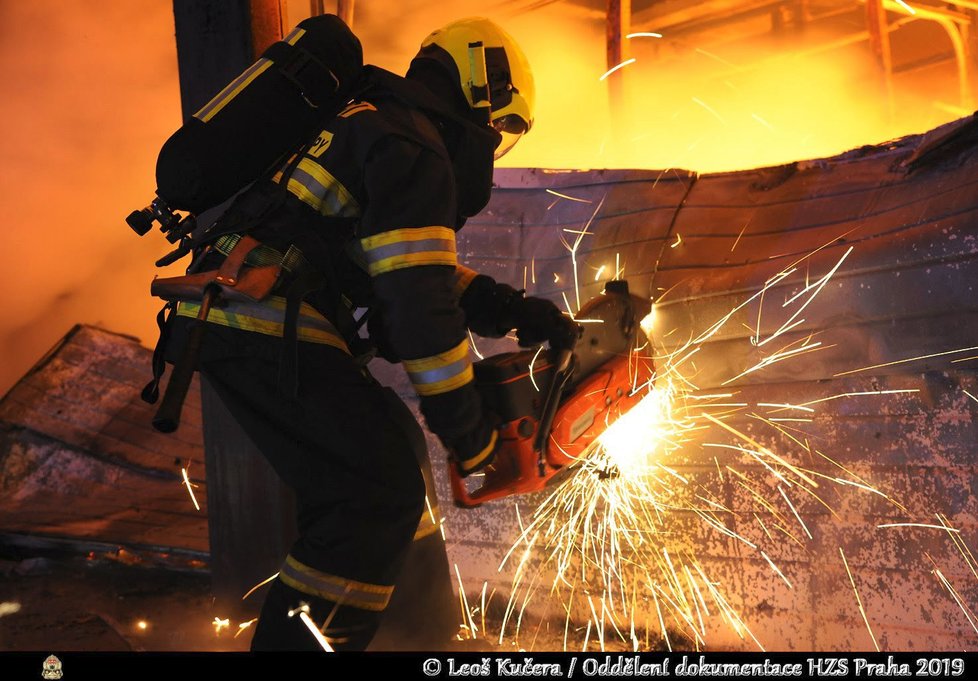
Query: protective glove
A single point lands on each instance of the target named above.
(475, 450)
(538, 320)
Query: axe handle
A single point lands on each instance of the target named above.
(167, 417)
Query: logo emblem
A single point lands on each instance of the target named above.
(321, 144)
(52, 668)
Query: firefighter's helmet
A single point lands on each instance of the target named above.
(500, 64)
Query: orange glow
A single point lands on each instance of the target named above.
(88, 105)
(90, 93)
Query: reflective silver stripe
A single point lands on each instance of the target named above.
(268, 317)
(379, 253)
(441, 373)
(273, 314)
(419, 378)
(343, 591)
(409, 247)
(327, 199)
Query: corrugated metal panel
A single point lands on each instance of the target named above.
(701, 246)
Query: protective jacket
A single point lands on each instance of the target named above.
(373, 203)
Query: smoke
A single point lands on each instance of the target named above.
(90, 92)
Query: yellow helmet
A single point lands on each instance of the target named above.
(487, 60)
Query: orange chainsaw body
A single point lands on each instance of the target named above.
(612, 371)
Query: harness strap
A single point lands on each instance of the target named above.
(305, 281)
(151, 393)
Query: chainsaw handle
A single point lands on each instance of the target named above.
(564, 367)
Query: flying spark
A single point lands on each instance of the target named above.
(935, 527)
(220, 625)
(259, 585)
(190, 487)
(905, 6)
(859, 601)
(243, 626)
(303, 612)
(568, 197)
(613, 544)
(904, 361)
(710, 109)
(615, 68)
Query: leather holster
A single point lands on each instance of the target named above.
(237, 281)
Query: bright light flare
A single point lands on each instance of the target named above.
(220, 625)
(627, 443)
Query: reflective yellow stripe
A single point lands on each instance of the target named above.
(268, 317)
(356, 108)
(473, 463)
(232, 89)
(409, 247)
(315, 186)
(441, 373)
(334, 588)
(463, 277)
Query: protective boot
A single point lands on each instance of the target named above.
(346, 628)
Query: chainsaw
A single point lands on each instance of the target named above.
(554, 404)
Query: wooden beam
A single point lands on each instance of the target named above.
(344, 10)
(617, 27)
(879, 40)
(619, 20)
(267, 24)
(213, 47)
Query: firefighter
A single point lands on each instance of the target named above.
(371, 207)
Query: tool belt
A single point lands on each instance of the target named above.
(250, 272)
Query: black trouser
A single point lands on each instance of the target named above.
(339, 444)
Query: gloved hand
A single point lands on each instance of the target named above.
(475, 450)
(538, 320)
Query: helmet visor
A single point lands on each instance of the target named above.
(511, 128)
